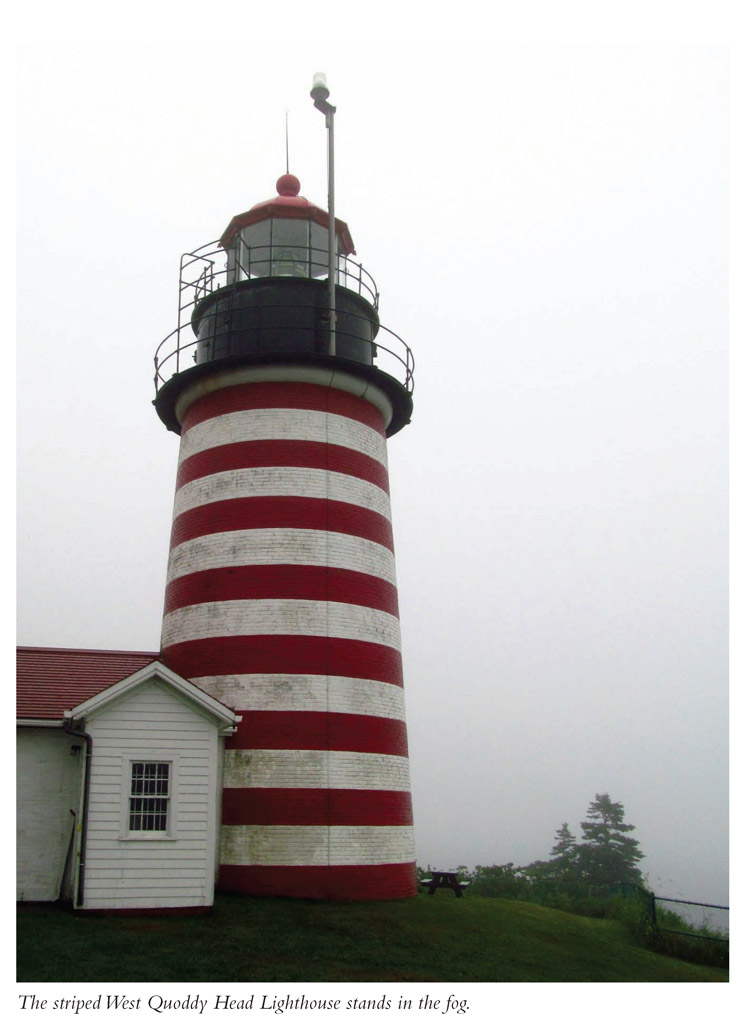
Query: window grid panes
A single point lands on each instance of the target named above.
(149, 796)
(279, 247)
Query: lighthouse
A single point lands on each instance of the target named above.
(281, 597)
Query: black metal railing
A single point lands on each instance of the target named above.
(699, 919)
(211, 269)
(181, 349)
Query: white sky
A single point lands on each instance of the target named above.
(548, 226)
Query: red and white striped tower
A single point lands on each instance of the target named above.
(281, 598)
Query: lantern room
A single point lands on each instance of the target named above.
(261, 296)
(286, 236)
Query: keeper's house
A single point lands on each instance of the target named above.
(119, 781)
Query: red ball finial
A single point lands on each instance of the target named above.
(287, 184)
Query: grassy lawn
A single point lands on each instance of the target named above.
(421, 939)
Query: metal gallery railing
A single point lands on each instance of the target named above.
(212, 266)
(181, 349)
(211, 269)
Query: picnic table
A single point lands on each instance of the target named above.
(444, 878)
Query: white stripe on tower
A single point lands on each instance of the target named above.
(281, 601)
(311, 692)
(224, 618)
(284, 424)
(314, 768)
(282, 482)
(281, 546)
(286, 846)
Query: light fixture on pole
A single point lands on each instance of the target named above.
(320, 93)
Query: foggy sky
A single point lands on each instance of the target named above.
(548, 229)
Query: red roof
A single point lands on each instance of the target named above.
(289, 205)
(50, 681)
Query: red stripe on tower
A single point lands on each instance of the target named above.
(275, 453)
(310, 807)
(282, 581)
(281, 512)
(281, 597)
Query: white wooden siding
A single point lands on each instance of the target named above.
(48, 781)
(152, 722)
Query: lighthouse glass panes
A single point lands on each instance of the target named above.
(149, 796)
(279, 247)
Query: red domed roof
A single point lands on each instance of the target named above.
(288, 204)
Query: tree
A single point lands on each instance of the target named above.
(606, 855)
(558, 875)
(565, 850)
(564, 860)
(505, 881)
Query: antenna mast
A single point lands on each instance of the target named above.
(320, 93)
(287, 140)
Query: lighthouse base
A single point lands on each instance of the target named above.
(329, 883)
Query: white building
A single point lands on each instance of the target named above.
(118, 781)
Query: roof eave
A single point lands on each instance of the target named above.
(225, 715)
(258, 215)
(38, 722)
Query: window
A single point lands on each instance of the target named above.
(148, 807)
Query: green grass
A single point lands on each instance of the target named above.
(420, 939)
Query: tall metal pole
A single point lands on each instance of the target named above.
(320, 93)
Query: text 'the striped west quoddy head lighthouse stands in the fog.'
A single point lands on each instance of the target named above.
(281, 598)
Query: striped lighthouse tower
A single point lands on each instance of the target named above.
(281, 598)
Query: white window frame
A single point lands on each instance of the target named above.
(149, 756)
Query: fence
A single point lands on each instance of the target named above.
(695, 918)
